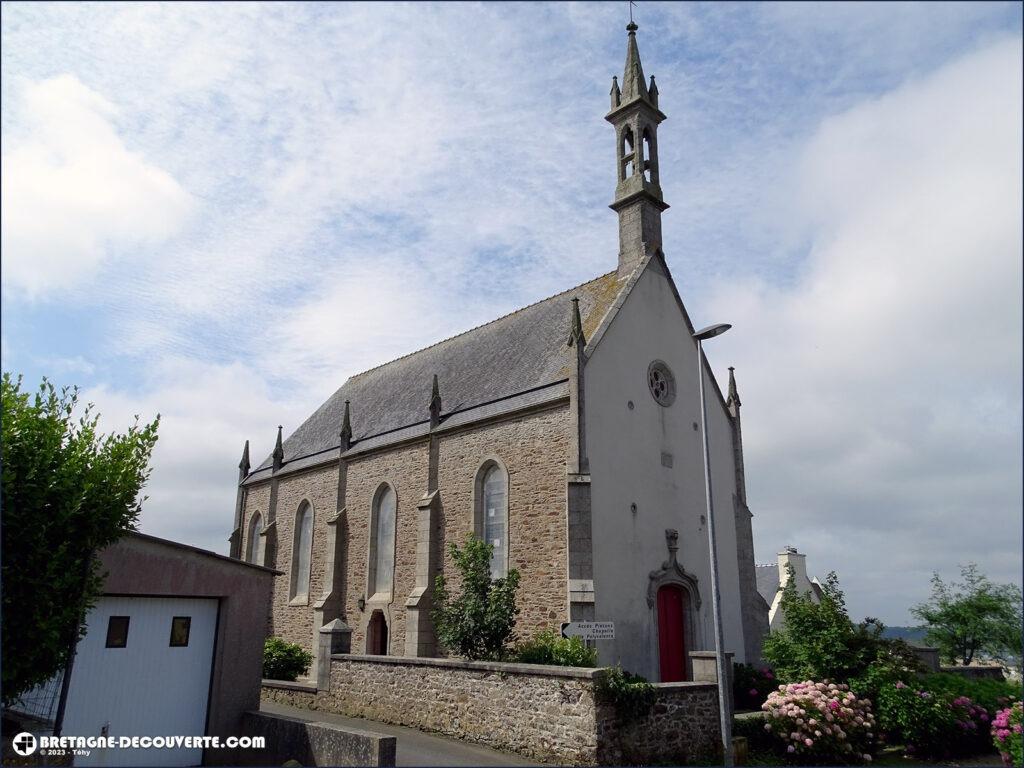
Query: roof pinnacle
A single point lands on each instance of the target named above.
(734, 397)
(346, 429)
(278, 450)
(435, 403)
(243, 465)
(576, 336)
(633, 84)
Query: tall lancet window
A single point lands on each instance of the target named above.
(255, 526)
(492, 514)
(382, 545)
(302, 550)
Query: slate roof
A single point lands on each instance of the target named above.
(767, 581)
(515, 360)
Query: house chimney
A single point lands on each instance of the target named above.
(789, 556)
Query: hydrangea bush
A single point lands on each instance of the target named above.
(820, 723)
(1006, 733)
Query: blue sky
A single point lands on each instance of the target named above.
(221, 211)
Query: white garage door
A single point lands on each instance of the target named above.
(143, 669)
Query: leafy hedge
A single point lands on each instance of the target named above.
(283, 660)
(993, 695)
(548, 648)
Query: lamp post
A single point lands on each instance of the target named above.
(725, 720)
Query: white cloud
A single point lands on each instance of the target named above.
(207, 411)
(73, 192)
(882, 391)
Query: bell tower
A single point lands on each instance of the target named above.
(635, 116)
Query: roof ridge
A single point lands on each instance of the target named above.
(477, 327)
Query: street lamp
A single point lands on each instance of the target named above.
(716, 604)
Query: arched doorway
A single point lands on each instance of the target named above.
(672, 607)
(377, 635)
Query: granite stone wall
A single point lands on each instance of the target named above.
(553, 714)
(531, 446)
(405, 468)
(293, 620)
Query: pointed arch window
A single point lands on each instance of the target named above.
(255, 550)
(382, 543)
(302, 552)
(627, 164)
(492, 514)
(648, 160)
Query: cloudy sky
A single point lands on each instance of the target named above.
(219, 212)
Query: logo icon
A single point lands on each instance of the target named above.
(24, 744)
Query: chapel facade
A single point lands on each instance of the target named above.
(566, 434)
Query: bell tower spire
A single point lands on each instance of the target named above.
(638, 201)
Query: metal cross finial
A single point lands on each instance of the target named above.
(631, 4)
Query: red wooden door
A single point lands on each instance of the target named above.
(671, 642)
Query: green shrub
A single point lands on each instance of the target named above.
(993, 695)
(548, 648)
(819, 641)
(631, 694)
(931, 724)
(477, 623)
(283, 660)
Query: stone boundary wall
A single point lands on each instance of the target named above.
(682, 727)
(288, 738)
(546, 713)
(976, 673)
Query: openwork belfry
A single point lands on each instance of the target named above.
(562, 434)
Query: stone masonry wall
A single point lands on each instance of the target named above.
(319, 487)
(545, 713)
(682, 727)
(533, 448)
(406, 469)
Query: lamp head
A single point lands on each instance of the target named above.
(711, 331)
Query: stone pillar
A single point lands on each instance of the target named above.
(705, 670)
(927, 656)
(580, 553)
(236, 534)
(269, 547)
(335, 637)
(419, 629)
(331, 605)
(581, 550)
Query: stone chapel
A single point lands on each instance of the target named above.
(566, 434)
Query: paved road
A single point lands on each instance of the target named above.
(414, 748)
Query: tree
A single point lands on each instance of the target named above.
(963, 618)
(478, 622)
(819, 641)
(68, 491)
